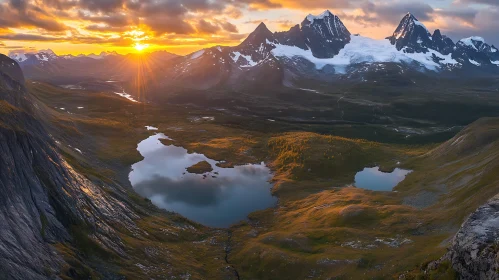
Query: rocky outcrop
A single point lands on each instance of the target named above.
(474, 253)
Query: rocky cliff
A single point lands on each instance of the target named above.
(42, 197)
(57, 223)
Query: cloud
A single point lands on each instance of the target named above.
(180, 21)
(19, 13)
(487, 2)
(484, 24)
(229, 27)
(206, 27)
(392, 12)
(466, 14)
(19, 5)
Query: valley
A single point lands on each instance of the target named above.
(311, 153)
(322, 227)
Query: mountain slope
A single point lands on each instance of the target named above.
(63, 221)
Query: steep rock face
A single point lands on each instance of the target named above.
(292, 37)
(474, 252)
(442, 43)
(325, 34)
(10, 68)
(42, 196)
(411, 35)
(255, 49)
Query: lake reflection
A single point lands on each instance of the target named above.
(217, 202)
(374, 179)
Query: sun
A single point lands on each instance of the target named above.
(140, 47)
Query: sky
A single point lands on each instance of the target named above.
(184, 26)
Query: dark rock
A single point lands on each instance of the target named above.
(474, 253)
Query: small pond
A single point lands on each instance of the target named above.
(219, 198)
(376, 180)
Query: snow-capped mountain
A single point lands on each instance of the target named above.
(28, 58)
(325, 35)
(41, 57)
(322, 48)
(474, 50)
(411, 36)
(102, 55)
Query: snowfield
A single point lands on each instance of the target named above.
(366, 50)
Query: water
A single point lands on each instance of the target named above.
(374, 179)
(216, 202)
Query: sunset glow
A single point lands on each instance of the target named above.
(140, 47)
(184, 26)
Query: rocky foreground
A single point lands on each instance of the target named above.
(474, 250)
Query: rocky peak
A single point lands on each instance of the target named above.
(293, 37)
(31, 58)
(476, 43)
(325, 35)
(327, 25)
(311, 18)
(474, 50)
(411, 35)
(261, 35)
(442, 43)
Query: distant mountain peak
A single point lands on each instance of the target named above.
(411, 35)
(261, 35)
(48, 51)
(262, 27)
(410, 15)
(473, 41)
(474, 50)
(408, 24)
(442, 43)
(311, 18)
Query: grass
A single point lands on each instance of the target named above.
(201, 167)
(321, 228)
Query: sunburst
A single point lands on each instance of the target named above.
(140, 47)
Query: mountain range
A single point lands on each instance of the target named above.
(320, 49)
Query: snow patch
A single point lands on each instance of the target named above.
(470, 42)
(151, 128)
(197, 54)
(19, 57)
(127, 96)
(235, 56)
(421, 24)
(325, 14)
(474, 62)
(249, 61)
